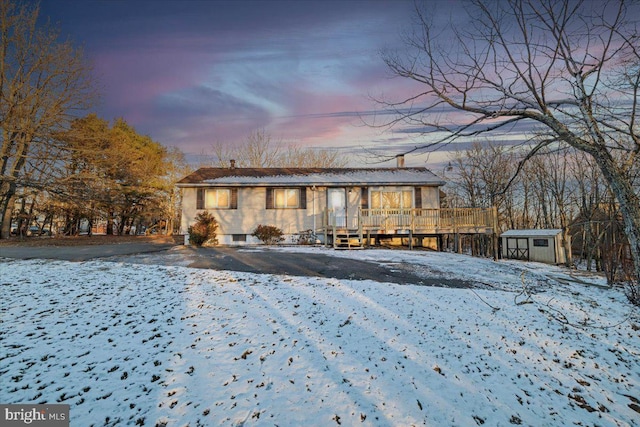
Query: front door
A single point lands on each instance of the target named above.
(337, 204)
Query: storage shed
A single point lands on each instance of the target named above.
(534, 245)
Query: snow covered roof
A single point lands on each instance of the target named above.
(310, 176)
(551, 232)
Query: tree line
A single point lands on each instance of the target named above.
(261, 150)
(560, 187)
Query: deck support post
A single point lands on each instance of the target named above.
(326, 228)
(494, 235)
(360, 233)
(411, 230)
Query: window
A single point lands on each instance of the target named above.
(239, 237)
(217, 198)
(391, 199)
(541, 242)
(286, 198)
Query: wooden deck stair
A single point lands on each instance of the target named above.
(347, 240)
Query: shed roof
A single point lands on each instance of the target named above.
(309, 176)
(550, 232)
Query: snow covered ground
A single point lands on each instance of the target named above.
(134, 344)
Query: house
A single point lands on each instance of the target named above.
(339, 206)
(535, 245)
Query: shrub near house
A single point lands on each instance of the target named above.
(268, 234)
(204, 230)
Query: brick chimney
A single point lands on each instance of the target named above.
(233, 164)
(400, 160)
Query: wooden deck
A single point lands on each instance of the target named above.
(350, 231)
(428, 221)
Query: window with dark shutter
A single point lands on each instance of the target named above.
(200, 198)
(286, 198)
(418, 197)
(217, 198)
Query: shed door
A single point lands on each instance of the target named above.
(337, 202)
(518, 248)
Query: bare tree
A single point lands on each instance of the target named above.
(481, 174)
(549, 174)
(568, 69)
(258, 151)
(262, 151)
(589, 199)
(42, 81)
(484, 170)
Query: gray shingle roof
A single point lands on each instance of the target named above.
(309, 176)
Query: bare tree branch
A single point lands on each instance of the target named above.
(569, 68)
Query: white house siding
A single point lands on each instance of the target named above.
(251, 210)
(189, 210)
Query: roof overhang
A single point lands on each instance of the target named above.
(551, 232)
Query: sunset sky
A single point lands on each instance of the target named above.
(196, 73)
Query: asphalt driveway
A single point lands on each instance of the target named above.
(250, 260)
(82, 252)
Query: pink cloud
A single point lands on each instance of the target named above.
(132, 79)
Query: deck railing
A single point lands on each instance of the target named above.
(468, 218)
(452, 220)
